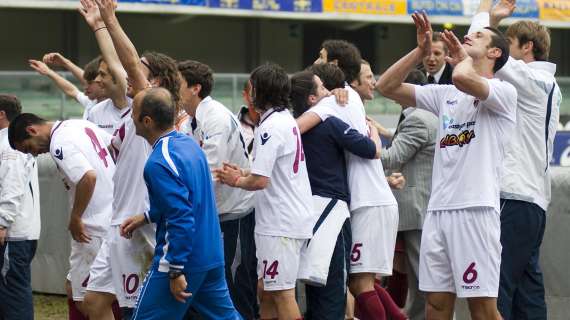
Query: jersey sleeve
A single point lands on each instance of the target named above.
(84, 100)
(325, 108)
(174, 206)
(429, 97)
(269, 146)
(480, 21)
(13, 181)
(70, 160)
(352, 140)
(502, 99)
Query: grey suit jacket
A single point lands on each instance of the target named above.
(411, 153)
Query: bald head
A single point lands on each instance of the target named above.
(158, 105)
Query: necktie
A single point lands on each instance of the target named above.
(431, 79)
(397, 127)
(193, 124)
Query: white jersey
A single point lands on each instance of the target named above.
(285, 207)
(79, 146)
(130, 196)
(106, 116)
(218, 133)
(526, 175)
(19, 192)
(366, 180)
(472, 135)
(86, 103)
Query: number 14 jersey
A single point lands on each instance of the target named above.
(78, 146)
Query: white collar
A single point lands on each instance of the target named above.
(543, 65)
(204, 101)
(438, 74)
(408, 110)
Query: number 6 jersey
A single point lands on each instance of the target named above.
(78, 146)
(284, 207)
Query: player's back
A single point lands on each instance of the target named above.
(78, 146)
(188, 169)
(285, 206)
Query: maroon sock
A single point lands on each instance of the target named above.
(398, 288)
(117, 310)
(392, 310)
(73, 312)
(369, 306)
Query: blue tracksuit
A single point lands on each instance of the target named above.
(188, 238)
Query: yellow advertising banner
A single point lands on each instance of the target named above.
(383, 7)
(558, 10)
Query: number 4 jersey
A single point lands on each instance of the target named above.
(284, 207)
(78, 146)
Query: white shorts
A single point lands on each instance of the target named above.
(374, 231)
(461, 252)
(80, 261)
(122, 263)
(278, 261)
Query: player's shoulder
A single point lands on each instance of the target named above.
(502, 87)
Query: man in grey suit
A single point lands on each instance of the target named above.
(411, 153)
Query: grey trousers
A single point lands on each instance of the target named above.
(415, 303)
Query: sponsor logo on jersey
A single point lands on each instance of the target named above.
(451, 102)
(59, 153)
(460, 140)
(264, 138)
(447, 121)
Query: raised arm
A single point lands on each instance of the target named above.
(489, 15)
(391, 83)
(58, 60)
(125, 49)
(93, 18)
(63, 84)
(465, 78)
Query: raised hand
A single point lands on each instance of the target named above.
(107, 9)
(423, 32)
(40, 67)
(54, 59)
(456, 51)
(503, 9)
(90, 12)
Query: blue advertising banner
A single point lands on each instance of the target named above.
(437, 7)
(183, 2)
(270, 5)
(561, 154)
(526, 9)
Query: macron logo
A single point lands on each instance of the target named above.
(264, 138)
(59, 153)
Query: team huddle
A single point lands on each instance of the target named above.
(182, 210)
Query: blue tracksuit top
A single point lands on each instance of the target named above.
(324, 148)
(183, 206)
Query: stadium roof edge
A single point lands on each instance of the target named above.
(205, 11)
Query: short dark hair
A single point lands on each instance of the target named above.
(270, 86)
(347, 55)
(416, 77)
(438, 37)
(194, 73)
(158, 104)
(11, 106)
(330, 74)
(498, 40)
(91, 69)
(17, 130)
(302, 86)
(163, 68)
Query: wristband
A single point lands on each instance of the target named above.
(99, 29)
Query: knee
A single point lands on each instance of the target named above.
(361, 282)
(439, 306)
(96, 304)
(283, 295)
(483, 309)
